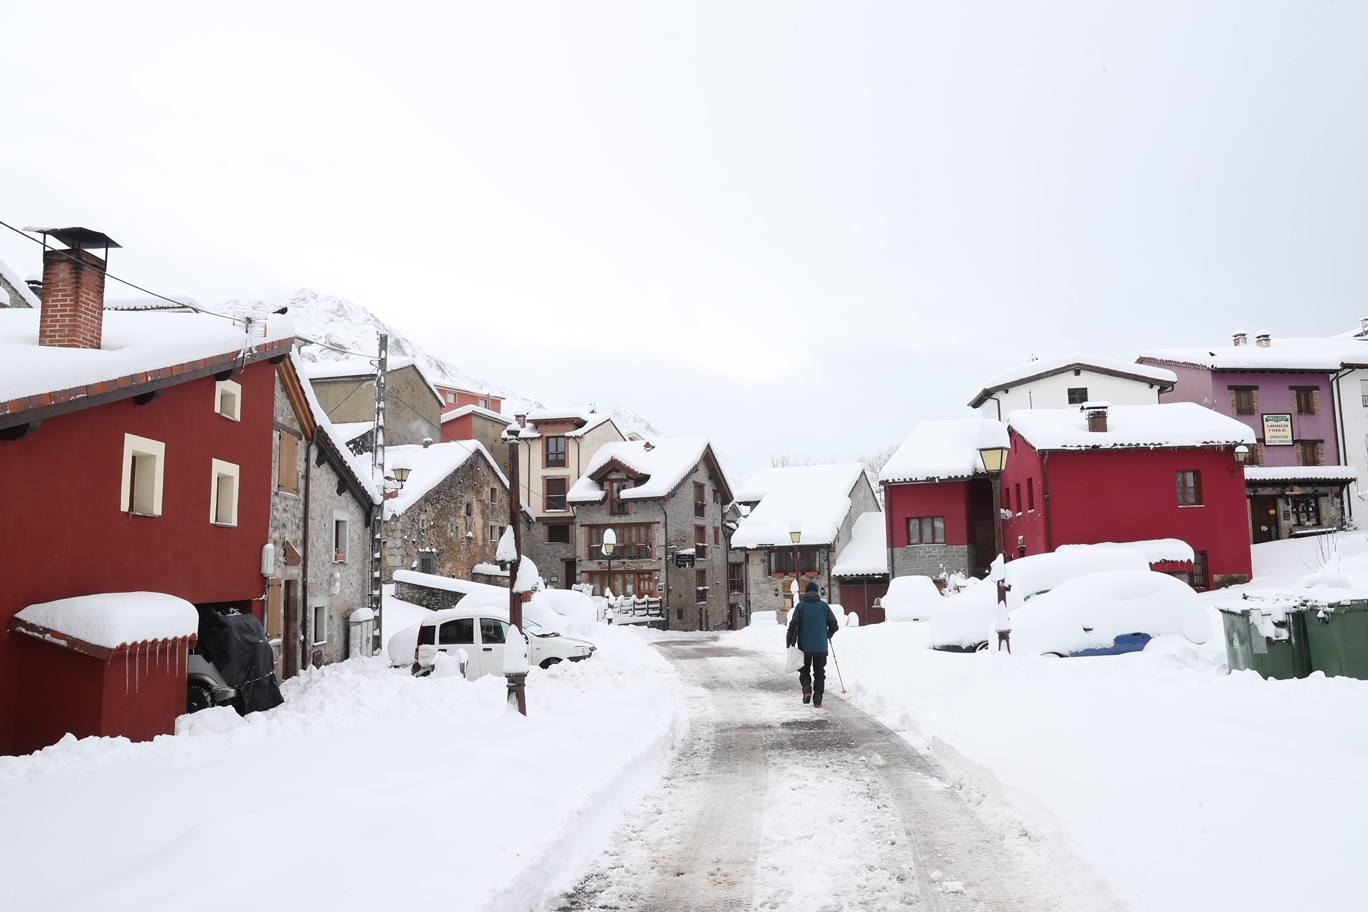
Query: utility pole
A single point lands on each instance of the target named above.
(377, 601)
(517, 683)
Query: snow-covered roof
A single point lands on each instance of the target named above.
(115, 619)
(1045, 367)
(867, 552)
(147, 302)
(26, 295)
(358, 467)
(943, 450)
(475, 410)
(1154, 550)
(589, 418)
(1167, 425)
(350, 430)
(816, 497)
(132, 344)
(664, 463)
(445, 383)
(349, 367)
(1300, 473)
(428, 467)
(1304, 353)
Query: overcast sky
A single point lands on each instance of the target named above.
(794, 227)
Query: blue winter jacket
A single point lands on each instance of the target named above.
(812, 625)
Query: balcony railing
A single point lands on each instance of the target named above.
(555, 503)
(622, 552)
(644, 606)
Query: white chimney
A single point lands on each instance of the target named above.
(1363, 325)
(1263, 340)
(1241, 338)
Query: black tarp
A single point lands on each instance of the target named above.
(239, 648)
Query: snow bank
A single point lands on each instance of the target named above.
(965, 619)
(117, 618)
(1157, 770)
(1028, 576)
(364, 758)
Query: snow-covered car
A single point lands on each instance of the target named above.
(964, 622)
(911, 598)
(1109, 613)
(481, 634)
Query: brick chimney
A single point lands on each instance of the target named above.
(1097, 416)
(1240, 339)
(73, 289)
(1263, 340)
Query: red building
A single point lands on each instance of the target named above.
(454, 397)
(1130, 473)
(135, 455)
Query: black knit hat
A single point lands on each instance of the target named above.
(812, 587)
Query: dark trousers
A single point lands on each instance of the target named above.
(813, 662)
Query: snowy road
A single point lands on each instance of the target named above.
(772, 804)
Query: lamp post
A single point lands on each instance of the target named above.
(608, 546)
(796, 536)
(994, 461)
(517, 683)
(401, 474)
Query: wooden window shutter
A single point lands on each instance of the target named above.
(1315, 401)
(1320, 453)
(1255, 395)
(287, 474)
(274, 615)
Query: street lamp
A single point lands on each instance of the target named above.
(1242, 454)
(517, 682)
(608, 546)
(401, 473)
(994, 461)
(796, 536)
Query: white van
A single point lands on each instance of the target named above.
(482, 635)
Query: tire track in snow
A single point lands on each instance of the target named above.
(775, 805)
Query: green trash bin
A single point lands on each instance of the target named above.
(1272, 648)
(1338, 636)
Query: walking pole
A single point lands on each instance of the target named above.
(832, 645)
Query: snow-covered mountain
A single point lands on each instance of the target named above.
(348, 325)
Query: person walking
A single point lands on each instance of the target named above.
(813, 625)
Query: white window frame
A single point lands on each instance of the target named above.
(142, 446)
(234, 389)
(340, 517)
(219, 469)
(320, 612)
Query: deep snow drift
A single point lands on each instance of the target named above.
(368, 789)
(1179, 785)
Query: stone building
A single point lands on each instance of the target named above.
(821, 503)
(346, 390)
(321, 505)
(449, 512)
(556, 447)
(664, 502)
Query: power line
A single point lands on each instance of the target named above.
(109, 275)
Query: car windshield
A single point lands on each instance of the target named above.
(537, 629)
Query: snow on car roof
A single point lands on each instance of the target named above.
(816, 497)
(1093, 610)
(665, 463)
(1044, 367)
(867, 552)
(1171, 424)
(1154, 550)
(115, 619)
(943, 450)
(132, 344)
(428, 467)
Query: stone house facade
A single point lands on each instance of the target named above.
(14, 291)
(664, 501)
(346, 391)
(320, 529)
(555, 448)
(826, 500)
(449, 514)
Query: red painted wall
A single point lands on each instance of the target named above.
(462, 428)
(62, 524)
(1131, 495)
(467, 398)
(948, 499)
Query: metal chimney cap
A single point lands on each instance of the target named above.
(77, 238)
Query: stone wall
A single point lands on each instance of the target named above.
(439, 524)
(335, 587)
(287, 531)
(772, 593)
(430, 598)
(412, 409)
(932, 560)
(551, 557)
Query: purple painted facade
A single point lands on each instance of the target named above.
(1212, 388)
